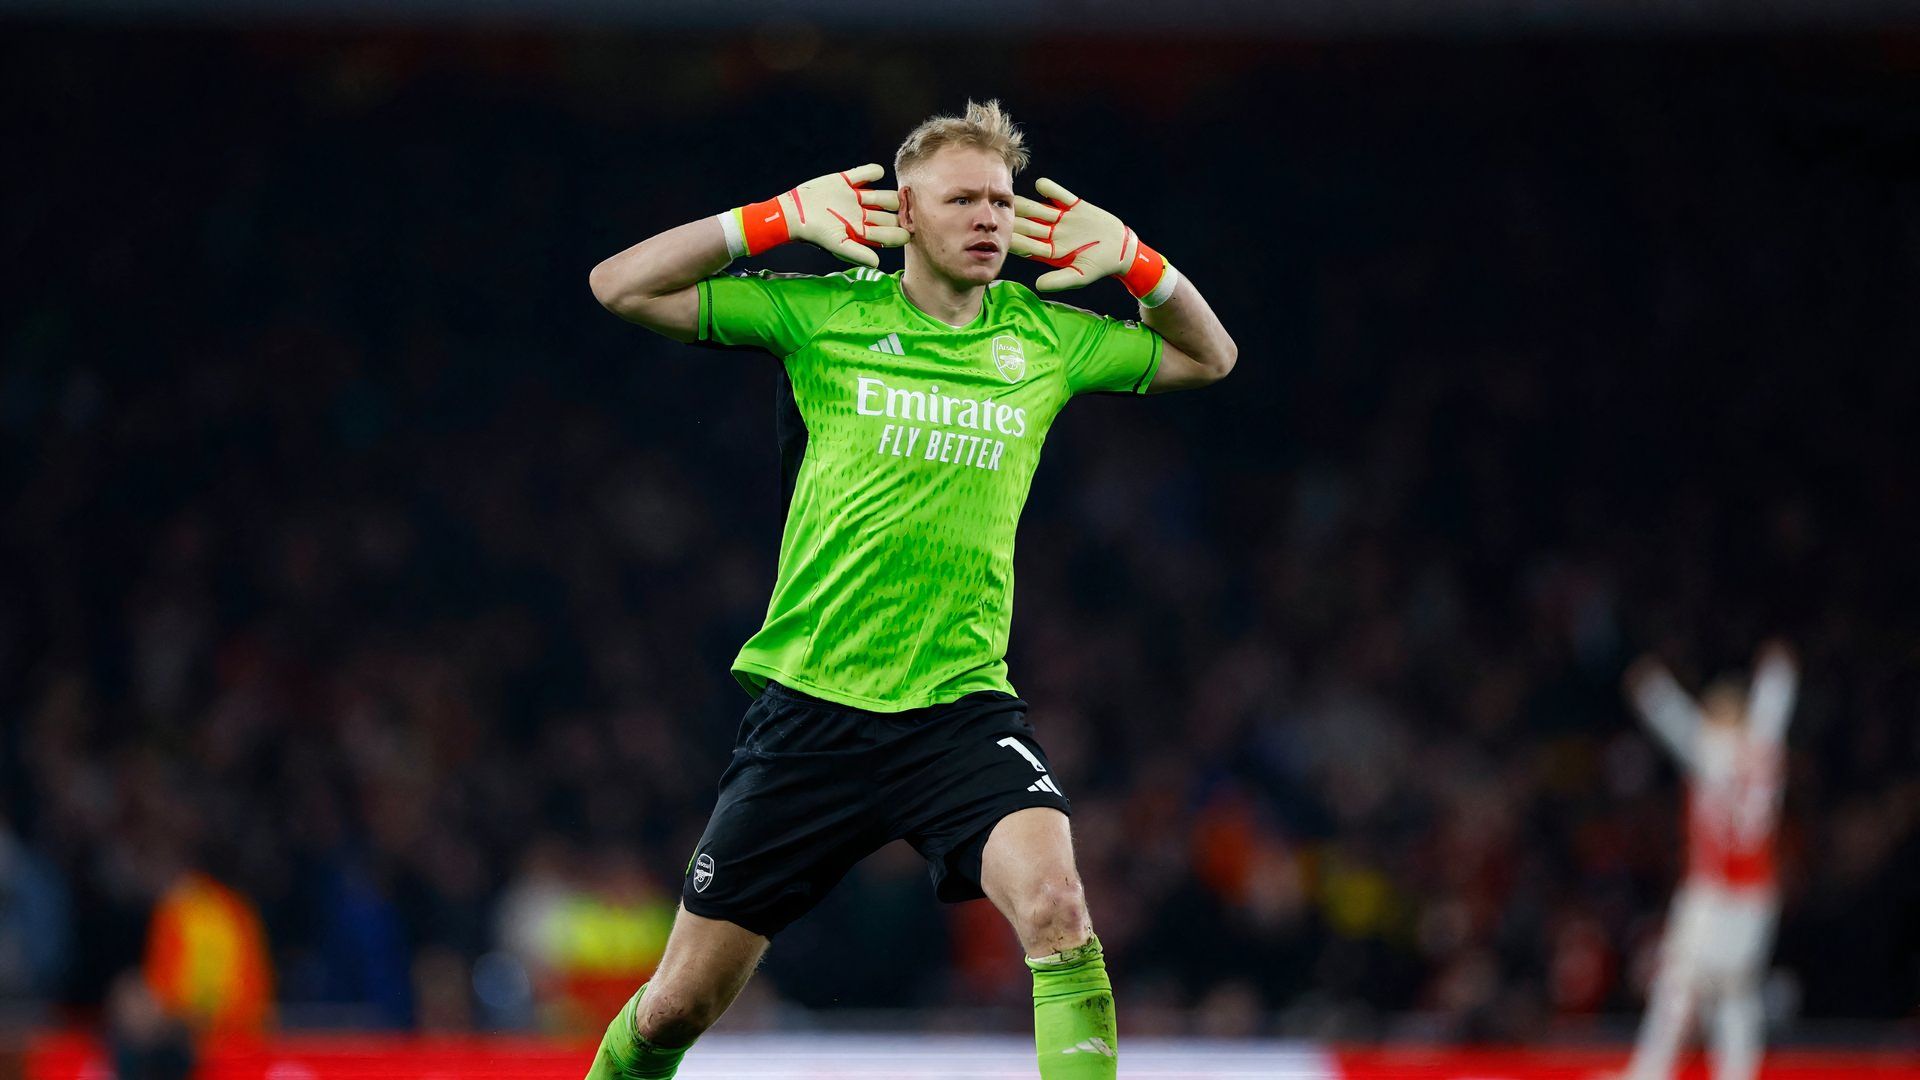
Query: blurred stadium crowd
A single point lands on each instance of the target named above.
(369, 592)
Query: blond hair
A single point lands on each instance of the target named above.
(985, 126)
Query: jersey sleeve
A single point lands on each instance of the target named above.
(778, 313)
(1103, 353)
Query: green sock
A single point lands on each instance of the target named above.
(1073, 1027)
(624, 1055)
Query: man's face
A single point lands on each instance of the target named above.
(959, 206)
(1724, 706)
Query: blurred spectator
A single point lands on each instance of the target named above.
(145, 1040)
(365, 955)
(207, 958)
(585, 940)
(35, 938)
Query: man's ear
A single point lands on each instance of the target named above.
(906, 208)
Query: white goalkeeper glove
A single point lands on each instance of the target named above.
(837, 212)
(1086, 244)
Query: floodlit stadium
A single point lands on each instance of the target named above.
(513, 515)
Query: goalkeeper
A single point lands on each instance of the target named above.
(881, 707)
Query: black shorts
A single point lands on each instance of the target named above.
(815, 787)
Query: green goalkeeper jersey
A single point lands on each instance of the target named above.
(895, 586)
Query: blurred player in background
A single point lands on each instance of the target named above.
(917, 403)
(1721, 926)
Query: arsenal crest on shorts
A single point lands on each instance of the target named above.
(1010, 357)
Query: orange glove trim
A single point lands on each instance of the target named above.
(764, 225)
(1145, 269)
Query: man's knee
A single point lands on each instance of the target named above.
(672, 1018)
(1054, 917)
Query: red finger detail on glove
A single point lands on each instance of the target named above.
(1065, 262)
(852, 233)
(764, 225)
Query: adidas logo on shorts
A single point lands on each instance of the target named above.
(1045, 783)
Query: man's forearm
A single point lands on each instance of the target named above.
(660, 266)
(1189, 324)
(1667, 710)
(1775, 679)
(651, 283)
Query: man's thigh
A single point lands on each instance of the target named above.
(1688, 922)
(949, 787)
(793, 815)
(1738, 936)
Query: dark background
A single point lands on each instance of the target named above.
(353, 554)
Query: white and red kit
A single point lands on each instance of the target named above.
(1721, 926)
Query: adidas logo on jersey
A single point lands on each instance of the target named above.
(888, 344)
(1045, 783)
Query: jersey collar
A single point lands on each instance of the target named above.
(979, 318)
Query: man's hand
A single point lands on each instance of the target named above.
(1086, 244)
(1644, 672)
(1775, 651)
(837, 212)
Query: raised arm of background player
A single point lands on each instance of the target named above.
(1776, 679)
(1667, 709)
(1085, 243)
(652, 282)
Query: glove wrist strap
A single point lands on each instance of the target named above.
(1163, 290)
(755, 227)
(731, 228)
(1149, 277)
